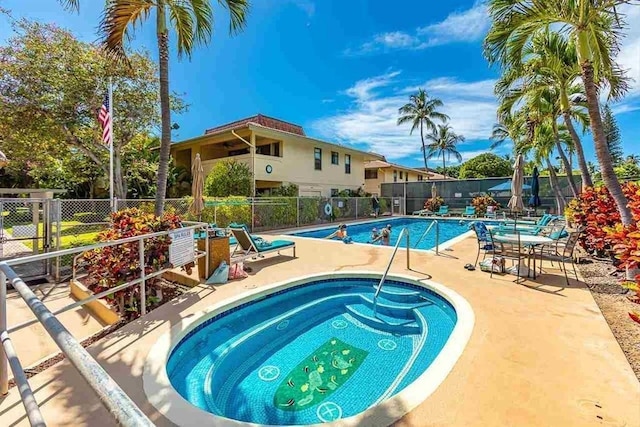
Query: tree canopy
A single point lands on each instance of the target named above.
(229, 178)
(51, 88)
(485, 166)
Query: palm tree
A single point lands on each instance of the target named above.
(550, 60)
(421, 111)
(192, 20)
(443, 143)
(594, 26)
(72, 5)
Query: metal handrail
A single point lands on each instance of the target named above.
(437, 225)
(112, 396)
(405, 231)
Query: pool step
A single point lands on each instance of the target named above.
(382, 321)
(397, 309)
(399, 295)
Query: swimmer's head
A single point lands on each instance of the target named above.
(342, 226)
(375, 230)
(388, 226)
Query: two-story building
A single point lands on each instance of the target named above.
(377, 172)
(277, 153)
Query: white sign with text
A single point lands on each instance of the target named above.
(181, 250)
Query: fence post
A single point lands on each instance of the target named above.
(356, 208)
(143, 290)
(4, 365)
(297, 211)
(58, 235)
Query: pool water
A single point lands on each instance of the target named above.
(312, 353)
(361, 233)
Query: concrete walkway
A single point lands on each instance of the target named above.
(541, 354)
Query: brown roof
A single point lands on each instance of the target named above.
(262, 120)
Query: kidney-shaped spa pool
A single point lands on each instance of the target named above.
(309, 351)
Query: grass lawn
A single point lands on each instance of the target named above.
(72, 234)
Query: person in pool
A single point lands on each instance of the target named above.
(374, 235)
(384, 236)
(340, 233)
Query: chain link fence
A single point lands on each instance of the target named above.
(459, 193)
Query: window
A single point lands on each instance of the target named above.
(264, 149)
(334, 158)
(400, 174)
(406, 177)
(317, 158)
(395, 176)
(347, 163)
(420, 178)
(334, 192)
(238, 152)
(371, 174)
(275, 149)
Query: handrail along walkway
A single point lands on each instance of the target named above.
(404, 232)
(115, 400)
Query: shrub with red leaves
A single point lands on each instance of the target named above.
(596, 212)
(115, 265)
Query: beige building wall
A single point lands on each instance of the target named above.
(385, 175)
(294, 165)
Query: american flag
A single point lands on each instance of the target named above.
(105, 121)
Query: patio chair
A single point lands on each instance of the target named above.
(513, 251)
(469, 212)
(249, 246)
(564, 253)
(484, 240)
(443, 211)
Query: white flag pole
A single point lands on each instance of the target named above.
(113, 205)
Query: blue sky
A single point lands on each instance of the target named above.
(342, 68)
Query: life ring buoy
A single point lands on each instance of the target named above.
(328, 209)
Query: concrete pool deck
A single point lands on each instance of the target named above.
(540, 353)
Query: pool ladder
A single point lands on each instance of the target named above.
(426, 232)
(404, 232)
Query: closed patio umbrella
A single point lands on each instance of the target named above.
(434, 191)
(515, 203)
(197, 187)
(534, 200)
(3, 160)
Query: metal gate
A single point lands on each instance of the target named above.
(28, 227)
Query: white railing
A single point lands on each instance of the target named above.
(426, 232)
(123, 409)
(404, 232)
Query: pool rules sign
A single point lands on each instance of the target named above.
(181, 250)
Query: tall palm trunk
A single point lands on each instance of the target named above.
(424, 152)
(555, 187)
(602, 149)
(444, 167)
(582, 161)
(565, 163)
(165, 109)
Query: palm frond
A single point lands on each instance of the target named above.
(118, 18)
(71, 5)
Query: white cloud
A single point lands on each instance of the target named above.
(465, 26)
(371, 118)
(307, 7)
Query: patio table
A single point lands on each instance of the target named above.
(526, 240)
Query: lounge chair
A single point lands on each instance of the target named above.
(443, 211)
(249, 246)
(469, 212)
(422, 212)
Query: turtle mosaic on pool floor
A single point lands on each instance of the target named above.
(318, 375)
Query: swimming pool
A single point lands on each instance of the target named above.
(309, 351)
(361, 233)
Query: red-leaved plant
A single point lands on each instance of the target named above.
(482, 202)
(115, 265)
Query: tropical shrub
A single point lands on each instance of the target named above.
(285, 190)
(433, 204)
(114, 265)
(277, 212)
(595, 212)
(229, 178)
(481, 203)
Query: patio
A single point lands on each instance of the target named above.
(541, 353)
